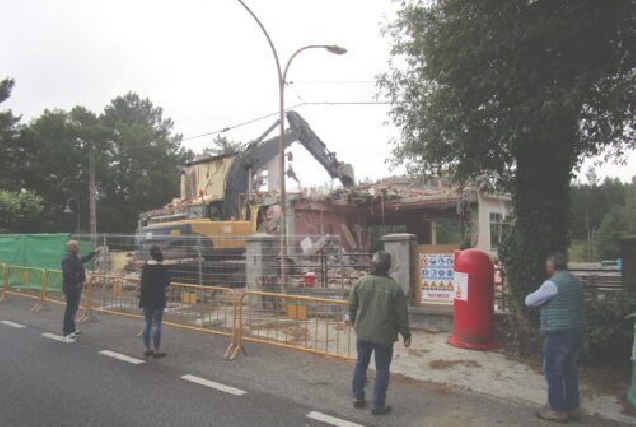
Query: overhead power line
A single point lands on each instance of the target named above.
(330, 82)
(302, 104)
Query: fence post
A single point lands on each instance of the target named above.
(45, 282)
(4, 295)
(200, 256)
(236, 344)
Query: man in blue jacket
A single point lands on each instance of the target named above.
(563, 324)
(73, 275)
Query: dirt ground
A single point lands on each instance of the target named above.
(503, 374)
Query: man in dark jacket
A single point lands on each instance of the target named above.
(73, 275)
(563, 325)
(378, 309)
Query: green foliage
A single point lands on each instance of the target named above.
(609, 339)
(18, 211)
(221, 145)
(8, 134)
(519, 88)
(582, 251)
(619, 221)
(136, 163)
(139, 163)
(590, 203)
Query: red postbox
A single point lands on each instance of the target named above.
(474, 299)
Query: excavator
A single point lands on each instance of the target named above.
(220, 203)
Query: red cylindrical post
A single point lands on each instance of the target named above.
(474, 300)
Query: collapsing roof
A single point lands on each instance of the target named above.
(400, 191)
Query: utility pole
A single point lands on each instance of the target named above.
(93, 214)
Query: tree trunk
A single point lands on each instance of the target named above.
(541, 206)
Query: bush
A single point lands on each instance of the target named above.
(610, 335)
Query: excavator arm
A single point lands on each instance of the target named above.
(318, 149)
(260, 152)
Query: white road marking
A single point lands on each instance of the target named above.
(328, 419)
(122, 357)
(56, 337)
(12, 324)
(218, 386)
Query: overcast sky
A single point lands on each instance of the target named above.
(207, 64)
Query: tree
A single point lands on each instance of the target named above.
(590, 203)
(520, 88)
(139, 162)
(619, 221)
(18, 211)
(8, 133)
(53, 161)
(221, 145)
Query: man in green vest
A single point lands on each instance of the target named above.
(561, 301)
(379, 311)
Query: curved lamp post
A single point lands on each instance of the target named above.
(282, 78)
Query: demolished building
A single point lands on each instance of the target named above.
(481, 213)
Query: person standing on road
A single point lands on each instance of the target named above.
(73, 277)
(563, 325)
(154, 282)
(379, 311)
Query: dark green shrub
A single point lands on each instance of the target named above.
(609, 334)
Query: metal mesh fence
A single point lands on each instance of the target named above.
(314, 265)
(194, 306)
(318, 325)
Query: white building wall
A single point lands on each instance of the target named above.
(487, 203)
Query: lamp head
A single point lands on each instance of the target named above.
(338, 50)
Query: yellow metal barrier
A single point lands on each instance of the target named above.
(54, 282)
(311, 324)
(42, 299)
(196, 307)
(305, 323)
(26, 281)
(4, 295)
(86, 316)
(236, 343)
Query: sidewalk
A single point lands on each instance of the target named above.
(430, 358)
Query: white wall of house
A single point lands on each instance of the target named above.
(493, 219)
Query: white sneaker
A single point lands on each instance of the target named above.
(71, 338)
(77, 333)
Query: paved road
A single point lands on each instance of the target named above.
(49, 383)
(100, 382)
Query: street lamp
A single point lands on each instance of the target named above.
(68, 209)
(282, 79)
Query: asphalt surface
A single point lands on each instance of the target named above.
(44, 382)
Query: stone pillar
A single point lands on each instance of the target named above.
(402, 249)
(260, 260)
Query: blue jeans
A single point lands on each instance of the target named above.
(153, 321)
(561, 352)
(383, 356)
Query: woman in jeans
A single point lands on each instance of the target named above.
(154, 281)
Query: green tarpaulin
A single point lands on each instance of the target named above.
(42, 251)
(33, 250)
